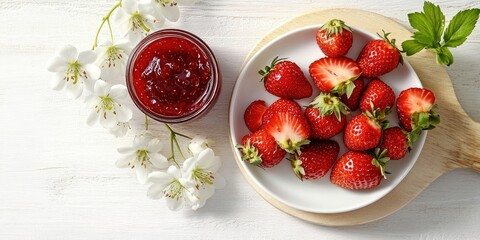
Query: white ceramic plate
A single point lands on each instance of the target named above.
(318, 196)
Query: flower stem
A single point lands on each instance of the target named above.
(146, 122)
(173, 140)
(106, 19)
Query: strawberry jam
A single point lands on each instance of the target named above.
(172, 76)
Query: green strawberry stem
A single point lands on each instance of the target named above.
(250, 154)
(379, 160)
(293, 147)
(268, 69)
(297, 168)
(334, 26)
(392, 43)
(327, 104)
(379, 116)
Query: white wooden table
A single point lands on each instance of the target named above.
(57, 175)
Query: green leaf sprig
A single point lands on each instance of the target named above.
(430, 26)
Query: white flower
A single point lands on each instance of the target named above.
(120, 129)
(136, 21)
(165, 9)
(202, 172)
(112, 59)
(73, 71)
(198, 144)
(107, 105)
(173, 186)
(144, 156)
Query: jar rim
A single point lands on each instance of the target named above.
(213, 87)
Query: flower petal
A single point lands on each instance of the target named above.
(174, 172)
(125, 45)
(107, 119)
(74, 90)
(118, 91)
(154, 145)
(101, 88)
(170, 11)
(120, 130)
(57, 64)
(92, 118)
(161, 178)
(87, 57)
(158, 160)
(142, 173)
(122, 162)
(130, 6)
(93, 71)
(174, 204)
(123, 113)
(155, 191)
(68, 53)
(58, 82)
(126, 150)
(208, 161)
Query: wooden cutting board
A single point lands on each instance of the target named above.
(454, 144)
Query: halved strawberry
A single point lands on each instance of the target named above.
(281, 105)
(359, 170)
(260, 149)
(415, 107)
(335, 74)
(326, 115)
(315, 160)
(289, 130)
(354, 100)
(285, 79)
(379, 94)
(254, 114)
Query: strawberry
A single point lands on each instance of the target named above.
(364, 131)
(397, 142)
(359, 170)
(326, 116)
(285, 79)
(254, 114)
(415, 108)
(282, 105)
(291, 131)
(334, 38)
(354, 100)
(260, 149)
(379, 57)
(335, 74)
(315, 160)
(379, 94)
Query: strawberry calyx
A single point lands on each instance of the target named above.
(379, 116)
(379, 160)
(250, 154)
(392, 43)
(425, 120)
(334, 27)
(297, 168)
(327, 104)
(268, 69)
(346, 87)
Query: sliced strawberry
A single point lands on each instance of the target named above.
(354, 100)
(282, 105)
(415, 107)
(379, 94)
(289, 130)
(315, 160)
(254, 114)
(285, 79)
(260, 149)
(359, 170)
(335, 74)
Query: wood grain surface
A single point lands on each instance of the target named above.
(57, 175)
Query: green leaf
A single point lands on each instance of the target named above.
(411, 47)
(424, 34)
(435, 18)
(461, 27)
(444, 56)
